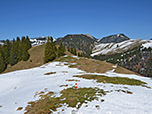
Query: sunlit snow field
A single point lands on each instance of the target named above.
(19, 87)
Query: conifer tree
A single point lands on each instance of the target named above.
(4, 52)
(8, 48)
(25, 54)
(28, 43)
(61, 50)
(2, 63)
(74, 51)
(79, 54)
(50, 50)
(13, 54)
(19, 49)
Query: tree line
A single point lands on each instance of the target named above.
(75, 52)
(52, 51)
(11, 52)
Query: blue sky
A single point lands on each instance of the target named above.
(60, 17)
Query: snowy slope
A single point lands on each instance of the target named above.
(19, 87)
(147, 44)
(1, 43)
(105, 48)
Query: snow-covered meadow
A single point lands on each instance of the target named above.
(19, 87)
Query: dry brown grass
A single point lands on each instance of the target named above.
(122, 70)
(64, 85)
(88, 65)
(69, 96)
(70, 80)
(35, 60)
(92, 66)
(49, 73)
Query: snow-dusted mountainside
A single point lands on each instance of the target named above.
(111, 48)
(39, 40)
(1, 43)
(147, 44)
(117, 38)
(20, 87)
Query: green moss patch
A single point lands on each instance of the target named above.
(113, 80)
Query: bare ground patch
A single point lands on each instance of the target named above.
(19, 108)
(49, 73)
(70, 80)
(64, 85)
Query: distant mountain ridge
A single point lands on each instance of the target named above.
(117, 38)
(116, 43)
(83, 42)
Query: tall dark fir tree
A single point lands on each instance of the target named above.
(50, 50)
(13, 53)
(25, 54)
(61, 50)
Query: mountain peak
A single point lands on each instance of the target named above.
(87, 34)
(116, 38)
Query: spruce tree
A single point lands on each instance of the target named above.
(28, 43)
(50, 50)
(61, 50)
(74, 51)
(8, 47)
(2, 63)
(19, 49)
(25, 54)
(13, 54)
(79, 54)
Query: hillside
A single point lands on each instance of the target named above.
(50, 88)
(37, 55)
(88, 45)
(131, 54)
(112, 48)
(35, 60)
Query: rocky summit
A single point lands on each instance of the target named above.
(117, 38)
